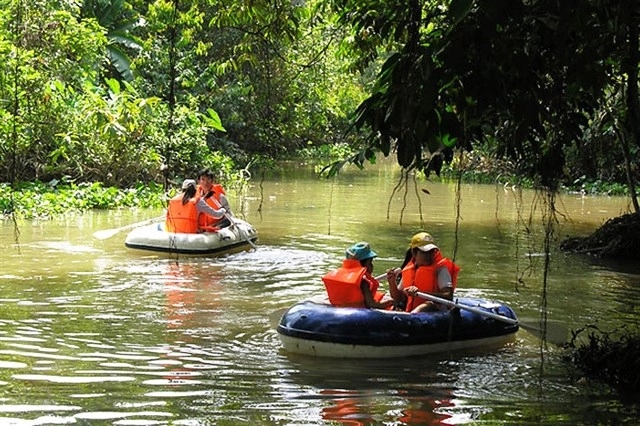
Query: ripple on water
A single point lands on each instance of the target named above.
(12, 364)
(27, 408)
(112, 415)
(269, 260)
(72, 379)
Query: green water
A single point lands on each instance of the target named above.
(93, 333)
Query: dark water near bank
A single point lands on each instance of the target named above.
(92, 333)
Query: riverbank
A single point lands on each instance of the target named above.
(618, 238)
(43, 200)
(30, 200)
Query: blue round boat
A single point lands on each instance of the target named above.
(317, 328)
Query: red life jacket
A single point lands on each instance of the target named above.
(343, 285)
(426, 278)
(182, 218)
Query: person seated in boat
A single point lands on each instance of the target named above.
(425, 271)
(352, 284)
(213, 194)
(185, 209)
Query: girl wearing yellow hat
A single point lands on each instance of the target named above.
(425, 271)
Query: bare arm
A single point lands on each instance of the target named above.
(369, 301)
(444, 293)
(395, 293)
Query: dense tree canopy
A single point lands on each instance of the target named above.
(527, 78)
(121, 91)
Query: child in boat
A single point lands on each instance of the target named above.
(425, 271)
(352, 284)
(213, 194)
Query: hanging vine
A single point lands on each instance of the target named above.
(171, 96)
(330, 205)
(403, 183)
(17, 32)
(458, 203)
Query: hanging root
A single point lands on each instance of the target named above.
(610, 357)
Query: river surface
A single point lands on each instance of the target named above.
(92, 333)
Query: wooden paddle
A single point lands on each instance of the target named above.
(381, 276)
(108, 233)
(553, 332)
(241, 231)
(556, 335)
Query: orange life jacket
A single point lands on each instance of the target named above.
(373, 286)
(426, 278)
(209, 223)
(206, 222)
(182, 218)
(343, 285)
(216, 188)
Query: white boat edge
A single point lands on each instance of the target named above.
(340, 350)
(151, 238)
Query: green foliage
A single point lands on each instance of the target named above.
(104, 122)
(177, 76)
(30, 106)
(324, 153)
(527, 75)
(283, 83)
(58, 121)
(534, 85)
(596, 162)
(599, 187)
(45, 200)
(119, 19)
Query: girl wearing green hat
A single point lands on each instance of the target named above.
(352, 284)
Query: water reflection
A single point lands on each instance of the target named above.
(352, 408)
(416, 391)
(192, 291)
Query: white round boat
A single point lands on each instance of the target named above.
(154, 238)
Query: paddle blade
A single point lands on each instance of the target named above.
(108, 233)
(105, 233)
(554, 332)
(274, 317)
